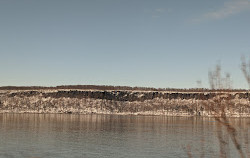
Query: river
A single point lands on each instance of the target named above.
(117, 136)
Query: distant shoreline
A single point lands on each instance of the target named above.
(126, 102)
(118, 88)
(126, 114)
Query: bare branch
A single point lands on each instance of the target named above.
(245, 67)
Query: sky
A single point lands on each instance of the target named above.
(149, 43)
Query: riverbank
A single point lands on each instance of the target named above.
(125, 102)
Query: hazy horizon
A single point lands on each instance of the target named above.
(161, 44)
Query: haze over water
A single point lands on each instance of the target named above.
(65, 135)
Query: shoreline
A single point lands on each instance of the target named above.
(129, 114)
(154, 103)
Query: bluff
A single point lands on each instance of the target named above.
(144, 102)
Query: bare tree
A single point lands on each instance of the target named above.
(216, 80)
(219, 107)
(245, 67)
(199, 84)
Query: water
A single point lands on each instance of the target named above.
(66, 135)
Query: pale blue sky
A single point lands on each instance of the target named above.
(153, 43)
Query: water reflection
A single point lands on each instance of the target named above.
(65, 135)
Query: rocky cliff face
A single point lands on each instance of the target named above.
(125, 102)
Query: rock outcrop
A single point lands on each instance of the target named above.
(125, 102)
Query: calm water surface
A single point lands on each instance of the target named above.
(65, 135)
